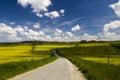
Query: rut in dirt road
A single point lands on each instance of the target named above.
(60, 69)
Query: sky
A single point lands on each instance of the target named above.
(59, 20)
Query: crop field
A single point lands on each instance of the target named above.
(22, 52)
(19, 58)
(93, 44)
(112, 60)
(98, 61)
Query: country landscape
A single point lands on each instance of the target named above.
(60, 40)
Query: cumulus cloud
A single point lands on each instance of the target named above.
(89, 37)
(58, 32)
(19, 33)
(39, 15)
(62, 11)
(39, 7)
(19, 29)
(25, 28)
(116, 8)
(109, 36)
(112, 25)
(53, 14)
(36, 5)
(76, 28)
(8, 34)
(36, 25)
(69, 34)
(48, 38)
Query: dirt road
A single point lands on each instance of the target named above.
(61, 69)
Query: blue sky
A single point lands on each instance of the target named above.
(56, 20)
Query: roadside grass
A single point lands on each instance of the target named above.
(18, 59)
(96, 62)
(96, 70)
(9, 70)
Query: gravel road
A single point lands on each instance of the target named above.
(60, 69)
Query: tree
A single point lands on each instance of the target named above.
(33, 49)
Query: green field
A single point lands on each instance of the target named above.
(98, 61)
(18, 59)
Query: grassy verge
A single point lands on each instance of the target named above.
(95, 70)
(11, 69)
(93, 61)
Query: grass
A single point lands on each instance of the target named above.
(112, 60)
(93, 60)
(93, 44)
(96, 70)
(11, 69)
(18, 59)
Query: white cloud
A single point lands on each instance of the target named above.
(116, 8)
(36, 25)
(39, 15)
(62, 11)
(19, 29)
(48, 38)
(76, 28)
(41, 33)
(89, 37)
(53, 14)
(36, 5)
(19, 33)
(112, 25)
(25, 28)
(5, 29)
(109, 36)
(58, 32)
(39, 7)
(8, 34)
(12, 23)
(69, 34)
(33, 33)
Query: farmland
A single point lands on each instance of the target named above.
(22, 52)
(98, 61)
(17, 59)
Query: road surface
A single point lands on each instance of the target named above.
(60, 69)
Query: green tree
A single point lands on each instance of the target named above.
(33, 49)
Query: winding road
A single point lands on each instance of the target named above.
(60, 69)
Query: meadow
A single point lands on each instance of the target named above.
(98, 61)
(17, 59)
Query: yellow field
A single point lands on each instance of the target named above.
(94, 44)
(22, 52)
(113, 61)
